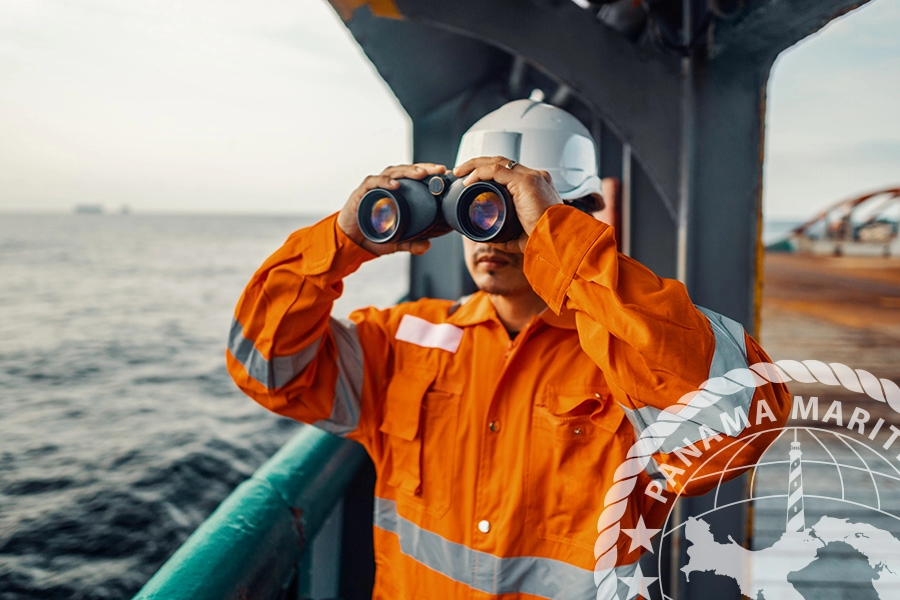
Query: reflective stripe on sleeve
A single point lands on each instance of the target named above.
(348, 387)
(537, 576)
(272, 373)
(727, 416)
(731, 348)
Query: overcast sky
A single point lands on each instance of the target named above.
(232, 106)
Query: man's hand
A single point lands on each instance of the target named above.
(386, 180)
(532, 191)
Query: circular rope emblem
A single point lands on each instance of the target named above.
(710, 392)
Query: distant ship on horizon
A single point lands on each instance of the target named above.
(88, 209)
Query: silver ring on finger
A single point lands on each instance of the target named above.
(511, 165)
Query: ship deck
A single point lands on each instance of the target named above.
(835, 310)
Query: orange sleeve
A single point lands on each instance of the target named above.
(285, 351)
(655, 348)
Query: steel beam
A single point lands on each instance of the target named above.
(766, 27)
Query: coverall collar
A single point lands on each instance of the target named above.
(478, 308)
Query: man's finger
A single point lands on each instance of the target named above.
(417, 247)
(497, 173)
(481, 161)
(420, 247)
(416, 171)
(512, 246)
(376, 181)
(522, 241)
(432, 168)
(404, 171)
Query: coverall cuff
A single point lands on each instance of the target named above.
(556, 247)
(348, 254)
(319, 249)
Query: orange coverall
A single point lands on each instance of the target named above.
(494, 455)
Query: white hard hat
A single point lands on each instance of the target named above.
(540, 136)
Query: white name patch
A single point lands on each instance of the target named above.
(429, 335)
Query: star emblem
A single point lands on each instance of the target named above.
(637, 584)
(640, 535)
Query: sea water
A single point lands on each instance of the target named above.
(120, 429)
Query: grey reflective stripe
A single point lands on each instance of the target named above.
(731, 349)
(542, 577)
(730, 353)
(272, 373)
(348, 387)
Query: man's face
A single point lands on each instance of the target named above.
(495, 272)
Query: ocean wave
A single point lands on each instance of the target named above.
(122, 430)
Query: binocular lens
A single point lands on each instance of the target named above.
(385, 216)
(487, 213)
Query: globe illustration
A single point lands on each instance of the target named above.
(826, 510)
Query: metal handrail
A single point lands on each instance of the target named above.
(250, 547)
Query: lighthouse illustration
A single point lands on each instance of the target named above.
(796, 521)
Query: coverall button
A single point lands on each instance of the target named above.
(484, 526)
(579, 431)
(494, 426)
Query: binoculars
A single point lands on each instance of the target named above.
(482, 211)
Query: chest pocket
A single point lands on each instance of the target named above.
(572, 456)
(421, 418)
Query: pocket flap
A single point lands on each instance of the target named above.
(608, 417)
(573, 403)
(568, 404)
(403, 403)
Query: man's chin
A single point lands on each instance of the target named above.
(497, 288)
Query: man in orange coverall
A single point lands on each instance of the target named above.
(497, 423)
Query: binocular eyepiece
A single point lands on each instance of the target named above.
(482, 211)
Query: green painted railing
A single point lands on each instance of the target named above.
(250, 547)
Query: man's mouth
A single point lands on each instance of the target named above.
(492, 260)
